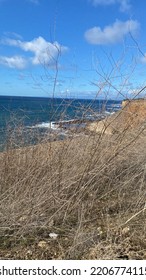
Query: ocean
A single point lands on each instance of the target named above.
(46, 115)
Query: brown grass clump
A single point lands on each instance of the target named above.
(89, 190)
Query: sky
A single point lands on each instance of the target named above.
(73, 48)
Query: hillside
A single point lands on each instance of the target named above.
(132, 114)
(82, 198)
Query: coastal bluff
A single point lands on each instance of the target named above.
(131, 115)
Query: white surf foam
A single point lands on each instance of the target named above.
(49, 125)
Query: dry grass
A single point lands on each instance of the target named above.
(90, 190)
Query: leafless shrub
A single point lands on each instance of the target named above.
(89, 190)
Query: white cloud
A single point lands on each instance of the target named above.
(17, 62)
(111, 34)
(43, 51)
(143, 59)
(124, 4)
(13, 35)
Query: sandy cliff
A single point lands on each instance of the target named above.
(132, 114)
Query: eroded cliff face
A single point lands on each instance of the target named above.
(135, 111)
(132, 114)
(136, 107)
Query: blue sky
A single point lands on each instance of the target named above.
(72, 48)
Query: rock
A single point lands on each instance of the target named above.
(43, 244)
(125, 230)
(23, 218)
(29, 252)
(101, 127)
(53, 235)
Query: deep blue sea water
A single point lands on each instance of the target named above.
(42, 113)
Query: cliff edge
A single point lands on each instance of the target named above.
(132, 114)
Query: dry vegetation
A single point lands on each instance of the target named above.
(89, 190)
